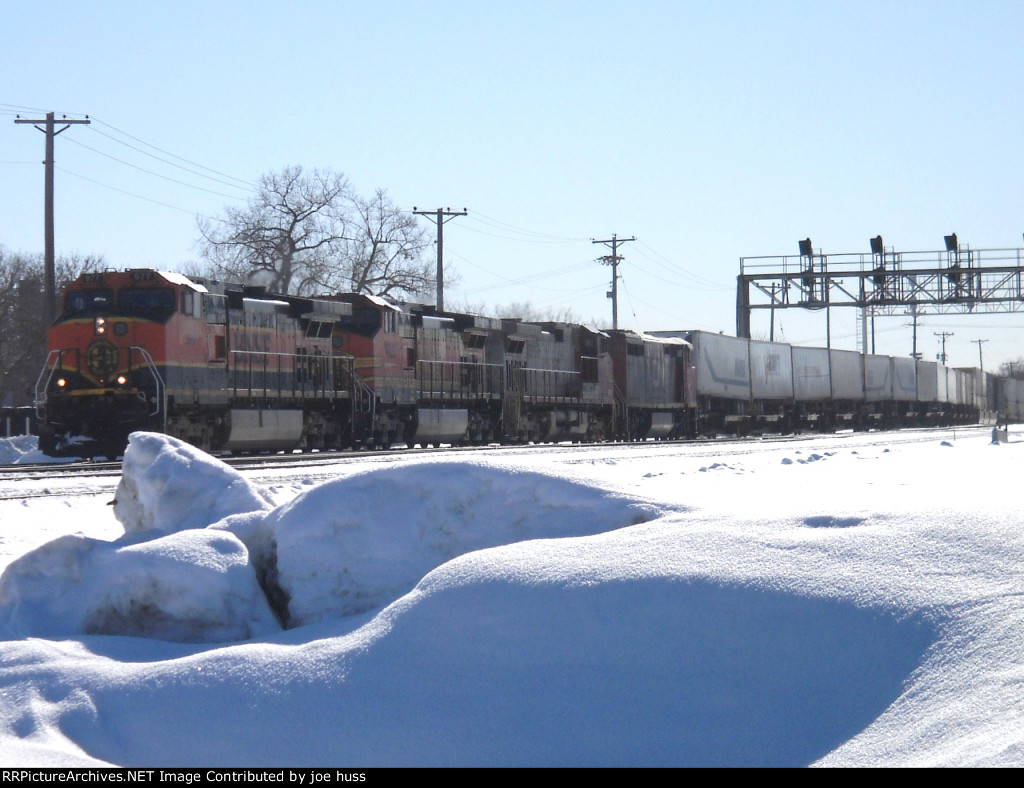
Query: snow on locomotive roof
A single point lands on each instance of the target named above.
(136, 275)
(667, 340)
(435, 321)
(378, 301)
(264, 304)
(181, 279)
(661, 337)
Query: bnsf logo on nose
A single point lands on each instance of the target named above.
(102, 358)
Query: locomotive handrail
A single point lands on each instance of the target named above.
(41, 391)
(315, 366)
(361, 394)
(543, 384)
(160, 406)
(369, 396)
(471, 386)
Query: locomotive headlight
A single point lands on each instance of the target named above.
(61, 383)
(101, 325)
(121, 380)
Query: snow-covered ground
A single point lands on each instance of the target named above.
(849, 600)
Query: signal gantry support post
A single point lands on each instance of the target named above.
(441, 216)
(50, 256)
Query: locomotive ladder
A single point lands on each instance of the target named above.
(48, 371)
(512, 399)
(620, 413)
(363, 398)
(160, 389)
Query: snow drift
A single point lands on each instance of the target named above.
(168, 485)
(202, 545)
(354, 545)
(195, 586)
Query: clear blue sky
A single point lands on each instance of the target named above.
(709, 130)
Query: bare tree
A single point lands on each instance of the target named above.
(524, 310)
(287, 237)
(1013, 369)
(382, 254)
(23, 318)
(309, 232)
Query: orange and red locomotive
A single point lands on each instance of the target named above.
(219, 367)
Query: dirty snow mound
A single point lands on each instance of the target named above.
(193, 586)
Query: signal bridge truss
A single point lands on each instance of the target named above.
(960, 281)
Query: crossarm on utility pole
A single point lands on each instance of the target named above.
(613, 260)
(440, 217)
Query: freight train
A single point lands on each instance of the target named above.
(229, 367)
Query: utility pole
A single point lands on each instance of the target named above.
(979, 343)
(913, 314)
(440, 217)
(613, 260)
(943, 334)
(50, 256)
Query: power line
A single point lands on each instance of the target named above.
(173, 155)
(246, 185)
(24, 109)
(672, 266)
(138, 196)
(157, 174)
(541, 237)
(531, 278)
(517, 239)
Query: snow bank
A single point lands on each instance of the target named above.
(13, 449)
(195, 586)
(168, 485)
(24, 450)
(354, 545)
(860, 608)
(344, 548)
(610, 650)
(167, 578)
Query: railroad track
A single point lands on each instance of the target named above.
(699, 448)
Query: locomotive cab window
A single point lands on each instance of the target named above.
(215, 308)
(191, 303)
(92, 300)
(154, 303)
(362, 321)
